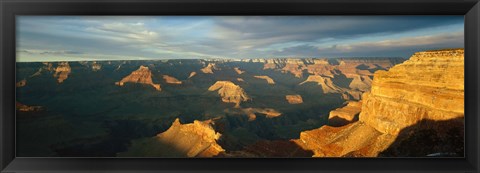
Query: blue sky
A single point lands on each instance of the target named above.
(79, 38)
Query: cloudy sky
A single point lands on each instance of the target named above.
(72, 38)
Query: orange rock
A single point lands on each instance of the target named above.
(142, 75)
(21, 83)
(197, 139)
(192, 74)
(428, 86)
(294, 99)
(209, 68)
(25, 108)
(171, 80)
(230, 92)
(238, 70)
(62, 71)
(345, 115)
(268, 79)
(325, 82)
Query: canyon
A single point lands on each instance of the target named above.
(280, 107)
(412, 95)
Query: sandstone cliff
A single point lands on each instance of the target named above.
(62, 71)
(238, 70)
(142, 75)
(209, 68)
(345, 115)
(197, 139)
(230, 92)
(399, 107)
(171, 80)
(192, 74)
(294, 99)
(268, 79)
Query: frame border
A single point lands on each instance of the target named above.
(10, 8)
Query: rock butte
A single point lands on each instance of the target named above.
(21, 83)
(268, 79)
(96, 66)
(192, 74)
(142, 75)
(238, 70)
(230, 92)
(345, 115)
(428, 86)
(171, 80)
(62, 71)
(209, 68)
(294, 99)
(24, 108)
(197, 139)
(240, 80)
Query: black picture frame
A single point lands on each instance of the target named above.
(10, 8)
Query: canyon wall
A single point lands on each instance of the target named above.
(142, 75)
(423, 95)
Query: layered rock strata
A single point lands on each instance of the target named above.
(62, 71)
(142, 75)
(429, 87)
(230, 92)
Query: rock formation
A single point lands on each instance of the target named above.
(47, 66)
(62, 71)
(294, 99)
(197, 139)
(253, 112)
(21, 83)
(171, 80)
(325, 82)
(192, 74)
(230, 92)
(427, 87)
(345, 115)
(96, 66)
(268, 79)
(142, 75)
(240, 80)
(24, 108)
(209, 68)
(238, 70)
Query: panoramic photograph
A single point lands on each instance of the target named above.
(240, 86)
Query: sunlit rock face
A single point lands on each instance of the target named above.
(25, 108)
(294, 99)
(197, 139)
(325, 82)
(345, 115)
(96, 66)
(428, 86)
(230, 92)
(192, 74)
(21, 83)
(238, 70)
(268, 79)
(253, 112)
(62, 71)
(142, 75)
(420, 98)
(209, 68)
(171, 80)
